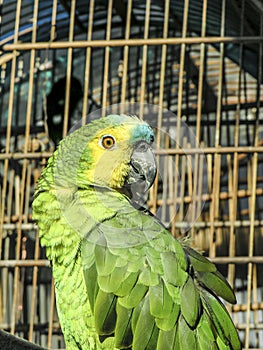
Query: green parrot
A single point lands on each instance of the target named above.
(121, 279)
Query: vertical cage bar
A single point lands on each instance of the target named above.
(199, 112)
(69, 69)
(252, 209)
(160, 99)
(25, 166)
(235, 180)
(183, 182)
(53, 21)
(4, 283)
(255, 299)
(180, 106)
(51, 314)
(34, 291)
(252, 203)
(126, 52)
(144, 55)
(87, 64)
(214, 207)
(107, 56)
(9, 120)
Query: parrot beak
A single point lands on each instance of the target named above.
(142, 170)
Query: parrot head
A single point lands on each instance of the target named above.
(114, 152)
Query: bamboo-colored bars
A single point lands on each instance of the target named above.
(190, 57)
(131, 42)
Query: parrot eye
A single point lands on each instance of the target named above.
(107, 141)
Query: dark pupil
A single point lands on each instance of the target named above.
(108, 142)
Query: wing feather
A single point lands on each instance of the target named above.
(160, 294)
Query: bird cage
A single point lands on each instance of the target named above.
(194, 70)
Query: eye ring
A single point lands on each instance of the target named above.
(107, 141)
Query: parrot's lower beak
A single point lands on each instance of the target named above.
(142, 170)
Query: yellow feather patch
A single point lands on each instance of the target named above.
(110, 166)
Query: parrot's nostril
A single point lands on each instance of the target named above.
(142, 147)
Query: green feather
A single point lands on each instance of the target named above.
(154, 260)
(173, 272)
(127, 284)
(148, 278)
(218, 284)
(186, 336)
(136, 265)
(145, 328)
(123, 332)
(173, 291)
(90, 276)
(161, 303)
(105, 313)
(112, 282)
(221, 345)
(87, 253)
(105, 260)
(136, 313)
(199, 262)
(134, 297)
(153, 339)
(221, 320)
(205, 336)
(169, 340)
(190, 302)
(167, 323)
(169, 268)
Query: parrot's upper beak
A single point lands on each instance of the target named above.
(142, 170)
